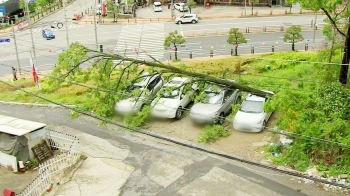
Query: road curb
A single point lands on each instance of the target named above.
(226, 34)
(36, 104)
(201, 148)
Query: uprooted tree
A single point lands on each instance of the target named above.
(338, 15)
(113, 78)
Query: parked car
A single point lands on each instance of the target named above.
(187, 18)
(48, 34)
(148, 87)
(98, 9)
(174, 97)
(157, 6)
(252, 117)
(215, 105)
(181, 7)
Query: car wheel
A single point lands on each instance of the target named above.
(221, 119)
(193, 21)
(179, 22)
(178, 114)
(263, 126)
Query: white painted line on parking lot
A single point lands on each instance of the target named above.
(150, 11)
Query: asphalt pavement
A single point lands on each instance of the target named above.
(157, 167)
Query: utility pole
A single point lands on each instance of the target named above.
(245, 7)
(30, 28)
(14, 39)
(65, 21)
(315, 26)
(172, 8)
(95, 26)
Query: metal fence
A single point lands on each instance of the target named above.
(68, 145)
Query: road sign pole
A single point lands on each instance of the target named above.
(14, 39)
(65, 20)
(31, 31)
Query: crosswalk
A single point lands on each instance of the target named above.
(39, 29)
(144, 42)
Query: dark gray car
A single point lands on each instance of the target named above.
(215, 105)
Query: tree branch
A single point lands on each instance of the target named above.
(333, 22)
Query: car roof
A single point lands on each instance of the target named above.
(176, 81)
(252, 97)
(157, 3)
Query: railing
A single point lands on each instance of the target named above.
(65, 143)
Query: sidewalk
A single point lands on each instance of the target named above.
(101, 173)
(145, 15)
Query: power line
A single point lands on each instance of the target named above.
(290, 134)
(296, 174)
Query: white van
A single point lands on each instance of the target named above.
(157, 6)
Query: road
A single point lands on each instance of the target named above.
(163, 168)
(140, 41)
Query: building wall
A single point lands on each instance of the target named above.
(8, 160)
(35, 138)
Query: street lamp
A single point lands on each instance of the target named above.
(95, 26)
(30, 28)
(65, 21)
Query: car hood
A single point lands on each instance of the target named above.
(126, 103)
(202, 108)
(243, 117)
(165, 104)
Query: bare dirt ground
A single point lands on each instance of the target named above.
(242, 144)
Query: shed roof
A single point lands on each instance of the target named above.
(16, 126)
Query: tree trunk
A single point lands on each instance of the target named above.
(332, 47)
(344, 69)
(293, 48)
(190, 10)
(252, 8)
(175, 53)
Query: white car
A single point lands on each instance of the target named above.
(148, 87)
(171, 104)
(187, 18)
(252, 117)
(181, 7)
(157, 6)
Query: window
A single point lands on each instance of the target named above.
(252, 106)
(228, 94)
(153, 83)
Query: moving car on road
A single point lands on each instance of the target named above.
(48, 34)
(175, 95)
(215, 105)
(187, 18)
(252, 117)
(147, 90)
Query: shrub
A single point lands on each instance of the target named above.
(212, 133)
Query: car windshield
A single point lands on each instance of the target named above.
(170, 94)
(252, 106)
(213, 97)
(48, 32)
(157, 5)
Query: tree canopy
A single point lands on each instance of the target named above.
(173, 40)
(235, 37)
(338, 15)
(293, 35)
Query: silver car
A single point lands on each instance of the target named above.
(148, 87)
(215, 106)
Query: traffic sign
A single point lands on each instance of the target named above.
(5, 40)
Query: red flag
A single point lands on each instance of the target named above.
(34, 71)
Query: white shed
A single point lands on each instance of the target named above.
(17, 138)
